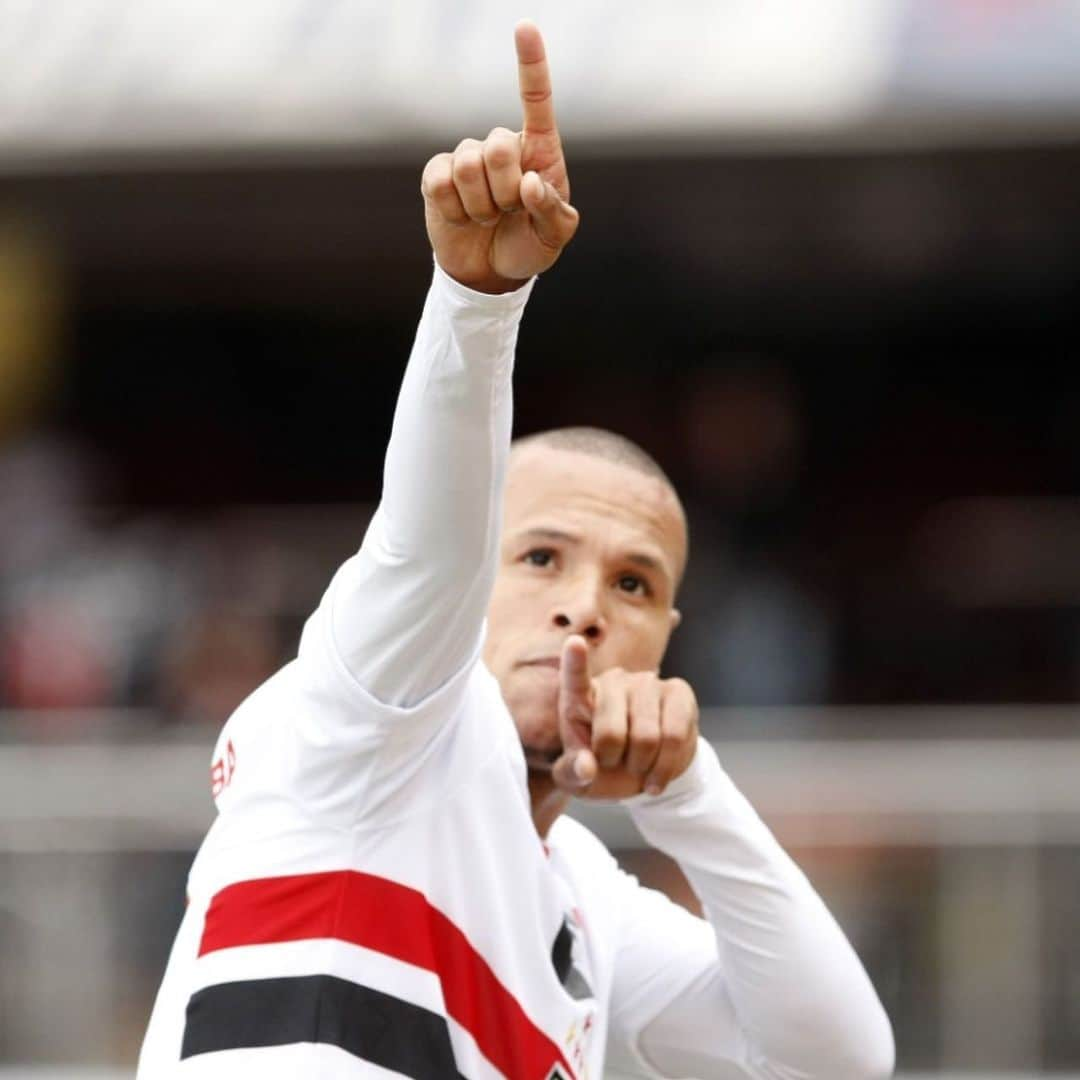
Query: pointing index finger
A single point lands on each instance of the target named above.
(534, 79)
(576, 768)
(575, 686)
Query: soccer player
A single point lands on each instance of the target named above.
(390, 888)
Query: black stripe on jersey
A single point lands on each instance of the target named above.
(385, 1030)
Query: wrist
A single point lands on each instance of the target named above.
(488, 282)
(492, 285)
(462, 293)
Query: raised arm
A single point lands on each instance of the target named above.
(406, 612)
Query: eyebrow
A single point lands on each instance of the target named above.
(542, 533)
(638, 558)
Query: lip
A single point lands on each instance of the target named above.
(542, 661)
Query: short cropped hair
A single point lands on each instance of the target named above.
(601, 443)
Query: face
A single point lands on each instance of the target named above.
(589, 547)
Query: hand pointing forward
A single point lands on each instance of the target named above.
(497, 211)
(623, 732)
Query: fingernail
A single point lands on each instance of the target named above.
(652, 788)
(581, 767)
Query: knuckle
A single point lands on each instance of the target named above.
(678, 729)
(681, 723)
(442, 187)
(438, 161)
(608, 747)
(502, 138)
(468, 164)
(678, 692)
(603, 738)
(436, 175)
(499, 153)
(644, 682)
(680, 687)
(647, 742)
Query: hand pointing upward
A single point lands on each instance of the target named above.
(497, 211)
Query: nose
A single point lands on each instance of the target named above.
(581, 612)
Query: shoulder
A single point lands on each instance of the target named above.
(581, 849)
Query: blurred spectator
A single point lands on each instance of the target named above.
(754, 634)
(765, 643)
(46, 487)
(743, 430)
(213, 662)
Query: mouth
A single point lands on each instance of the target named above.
(542, 661)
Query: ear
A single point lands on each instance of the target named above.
(676, 617)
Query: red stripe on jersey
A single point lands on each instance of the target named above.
(393, 919)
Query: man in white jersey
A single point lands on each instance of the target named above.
(389, 888)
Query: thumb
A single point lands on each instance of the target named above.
(575, 770)
(554, 220)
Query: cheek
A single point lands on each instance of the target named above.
(532, 698)
(504, 622)
(643, 642)
(498, 611)
(514, 602)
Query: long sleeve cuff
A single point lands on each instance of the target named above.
(461, 296)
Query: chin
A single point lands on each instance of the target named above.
(537, 722)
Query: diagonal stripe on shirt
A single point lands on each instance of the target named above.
(392, 919)
(371, 1025)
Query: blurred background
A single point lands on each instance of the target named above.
(828, 274)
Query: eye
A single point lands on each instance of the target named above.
(539, 557)
(631, 583)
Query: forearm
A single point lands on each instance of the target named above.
(406, 613)
(407, 610)
(798, 991)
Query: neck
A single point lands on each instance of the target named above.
(547, 801)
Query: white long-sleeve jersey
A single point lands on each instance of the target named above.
(373, 899)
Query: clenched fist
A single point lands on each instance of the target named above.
(623, 732)
(497, 211)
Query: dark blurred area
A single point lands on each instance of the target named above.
(858, 367)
